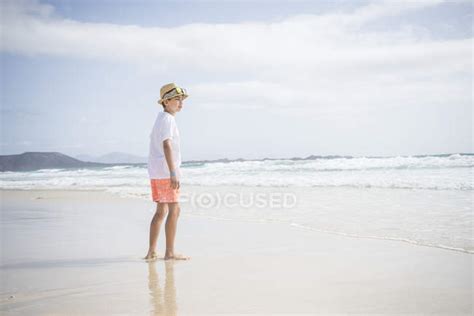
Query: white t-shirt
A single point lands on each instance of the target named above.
(164, 128)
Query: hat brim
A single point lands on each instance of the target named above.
(178, 95)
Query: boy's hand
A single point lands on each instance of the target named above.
(174, 182)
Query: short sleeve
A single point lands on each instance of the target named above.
(166, 130)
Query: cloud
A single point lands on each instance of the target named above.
(326, 63)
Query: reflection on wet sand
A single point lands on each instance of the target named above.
(163, 300)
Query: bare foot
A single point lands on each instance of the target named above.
(151, 257)
(177, 257)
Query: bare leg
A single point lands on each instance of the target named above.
(170, 229)
(158, 218)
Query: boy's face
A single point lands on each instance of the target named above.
(175, 104)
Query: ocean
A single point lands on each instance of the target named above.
(422, 200)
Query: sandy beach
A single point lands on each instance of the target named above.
(79, 253)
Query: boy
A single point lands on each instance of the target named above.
(164, 161)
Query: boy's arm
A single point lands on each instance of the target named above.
(169, 160)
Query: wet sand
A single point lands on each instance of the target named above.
(73, 252)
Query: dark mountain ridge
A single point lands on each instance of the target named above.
(30, 161)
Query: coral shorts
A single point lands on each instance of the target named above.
(162, 192)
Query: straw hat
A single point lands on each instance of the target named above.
(171, 90)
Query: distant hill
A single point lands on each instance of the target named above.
(114, 158)
(30, 161)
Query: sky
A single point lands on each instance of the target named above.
(265, 78)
